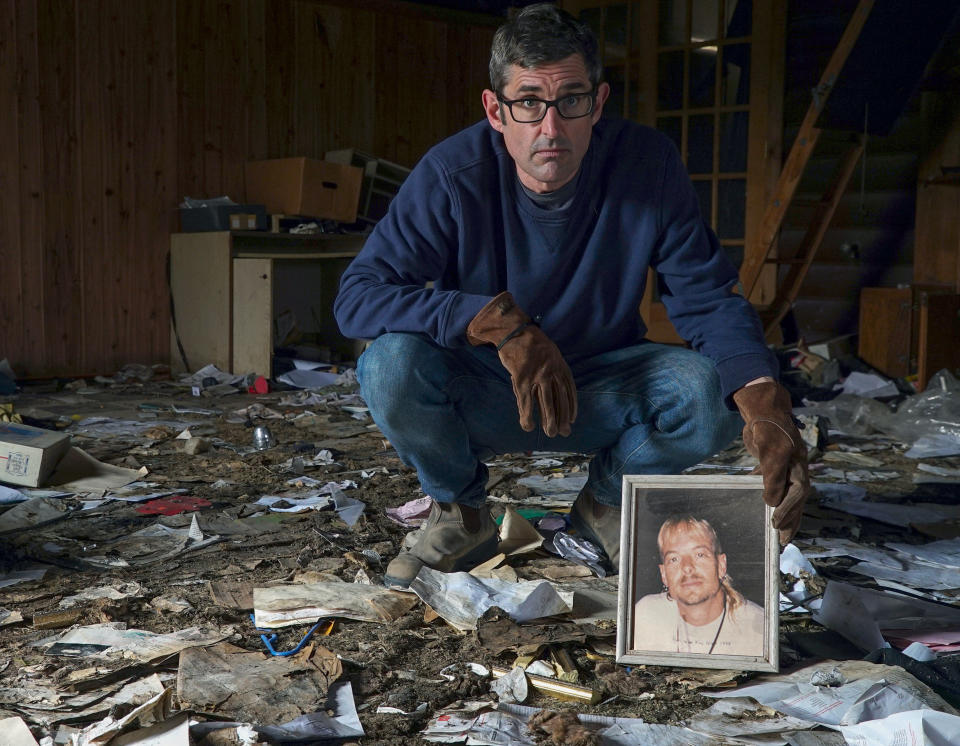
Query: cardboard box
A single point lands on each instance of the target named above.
(304, 186)
(28, 455)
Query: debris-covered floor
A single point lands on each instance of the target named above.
(197, 527)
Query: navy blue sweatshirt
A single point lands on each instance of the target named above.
(462, 221)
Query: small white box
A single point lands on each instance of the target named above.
(28, 455)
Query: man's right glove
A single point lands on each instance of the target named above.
(771, 437)
(537, 369)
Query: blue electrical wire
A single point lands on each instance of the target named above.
(269, 640)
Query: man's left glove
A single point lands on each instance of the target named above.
(540, 375)
(773, 439)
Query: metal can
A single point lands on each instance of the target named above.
(262, 438)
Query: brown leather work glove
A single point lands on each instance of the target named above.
(772, 438)
(537, 369)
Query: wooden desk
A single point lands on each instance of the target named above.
(227, 287)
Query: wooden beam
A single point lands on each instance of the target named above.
(800, 153)
(790, 287)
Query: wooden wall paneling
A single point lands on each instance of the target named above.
(214, 70)
(459, 79)
(190, 83)
(153, 160)
(386, 79)
(90, 110)
(232, 31)
(255, 76)
(34, 350)
(12, 332)
(62, 263)
(310, 94)
(353, 107)
(280, 78)
(417, 92)
(118, 181)
(428, 98)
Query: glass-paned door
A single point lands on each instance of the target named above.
(708, 74)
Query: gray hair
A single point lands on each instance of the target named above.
(538, 35)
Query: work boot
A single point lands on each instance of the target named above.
(598, 523)
(455, 537)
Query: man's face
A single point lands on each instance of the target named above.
(547, 153)
(690, 570)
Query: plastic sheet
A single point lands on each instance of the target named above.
(930, 420)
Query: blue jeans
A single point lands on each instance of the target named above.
(646, 409)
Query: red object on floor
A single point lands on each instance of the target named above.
(260, 386)
(173, 505)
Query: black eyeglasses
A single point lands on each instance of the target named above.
(529, 109)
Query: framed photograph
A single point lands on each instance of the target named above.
(699, 573)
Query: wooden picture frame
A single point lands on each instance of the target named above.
(723, 611)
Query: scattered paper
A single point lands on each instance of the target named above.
(740, 716)
(859, 614)
(517, 534)
(461, 598)
(172, 732)
(412, 513)
(284, 605)
(10, 495)
(308, 379)
(156, 708)
(511, 688)
(12, 577)
(112, 637)
(873, 691)
(254, 687)
(32, 513)
(917, 728)
(78, 471)
(14, 732)
(869, 385)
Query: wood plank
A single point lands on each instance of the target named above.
(200, 284)
(255, 73)
(791, 284)
(938, 334)
(118, 182)
(214, 71)
(252, 316)
(12, 331)
(885, 328)
(386, 76)
(35, 324)
(190, 86)
(92, 245)
(765, 139)
(280, 79)
(937, 248)
(61, 259)
(234, 101)
(154, 165)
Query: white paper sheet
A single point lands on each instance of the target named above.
(97, 639)
(873, 691)
(461, 598)
(914, 728)
(869, 385)
(309, 379)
